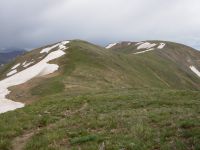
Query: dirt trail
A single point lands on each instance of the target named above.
(19, 142)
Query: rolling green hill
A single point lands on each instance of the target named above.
(125, 96)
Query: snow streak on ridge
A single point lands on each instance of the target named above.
(39, 69)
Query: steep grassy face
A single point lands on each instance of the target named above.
(169, 65)
(107, 99)
(89, 68)
(85, 68)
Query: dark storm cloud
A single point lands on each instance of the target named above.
(32, 23)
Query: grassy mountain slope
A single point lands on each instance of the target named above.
(107, 99)
(169, 65)
(130, 119)
(89, 68)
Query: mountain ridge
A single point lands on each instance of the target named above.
(125, 88)
(182, 55)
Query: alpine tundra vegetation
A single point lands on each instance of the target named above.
(77, 95)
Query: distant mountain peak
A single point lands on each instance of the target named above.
(7, 56)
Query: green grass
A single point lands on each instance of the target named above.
(129, 119)
(47, 87)
(102, 98)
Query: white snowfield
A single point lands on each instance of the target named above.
(8, 105)
(11, 72)
(28, 64)
(39, 69)
(64, 43)
(161, 46)
(24, 63)
(111, 45)
(151, 49)
(46, 50)
(195, 70)
(146, 45)
(139, 43)
(61, 46)
(15, 66)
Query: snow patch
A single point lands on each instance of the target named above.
(61, 45)
(65, 42)
(8, 105)
(15, 66)
(28, 64)
(24, 63)
(195, 70)
(11, 72)
(146, 45)
(161, 46)
(139, 43)
(111, 45)
(151, 49)
(46, 50)
(39, 69)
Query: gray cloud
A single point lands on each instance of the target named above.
(35, 23)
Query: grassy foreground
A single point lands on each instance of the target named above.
(116, 119)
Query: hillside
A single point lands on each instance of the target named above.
(78, 95)
(174, 65)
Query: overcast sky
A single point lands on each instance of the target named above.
(34, 23)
